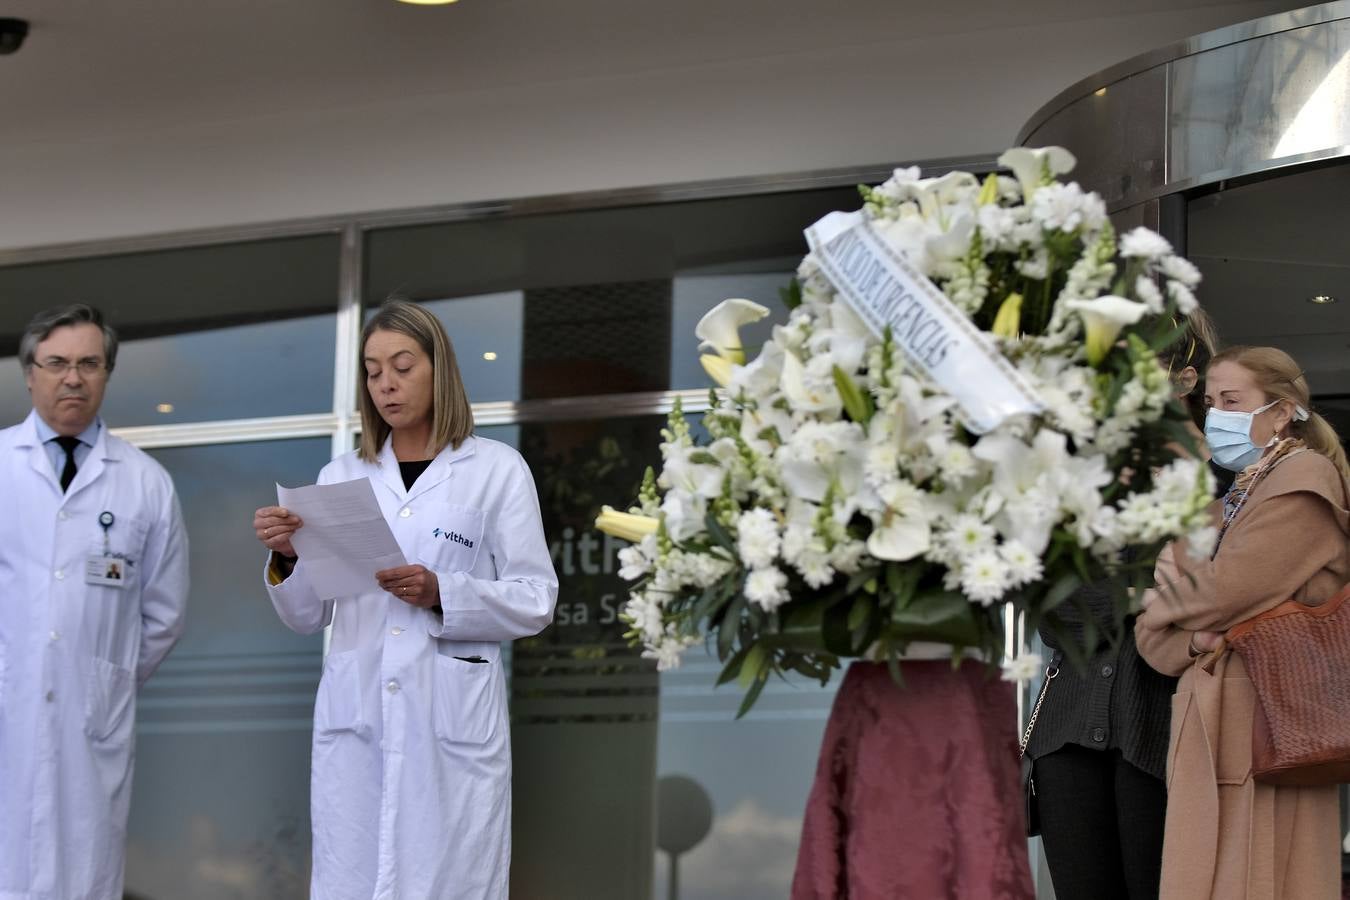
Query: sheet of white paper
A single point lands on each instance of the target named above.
(345, 539)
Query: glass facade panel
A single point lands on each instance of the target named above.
(220, 809)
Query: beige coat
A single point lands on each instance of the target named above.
(1227, 837)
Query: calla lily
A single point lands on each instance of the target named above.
(988, 190)
(1008, 322)
(719, 329)
(1103, 318)
(718, 368)
(625, 526)
(1036, 167)
(900, 538)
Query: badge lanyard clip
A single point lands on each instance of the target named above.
(106, 519)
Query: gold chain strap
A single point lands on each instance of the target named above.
(1050, 673)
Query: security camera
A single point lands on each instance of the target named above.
(12, 33)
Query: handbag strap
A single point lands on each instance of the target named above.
(1050, 673)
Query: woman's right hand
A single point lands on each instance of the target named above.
(274, 526)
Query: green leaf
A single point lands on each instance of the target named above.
(857, 402)
(754, 662)
(1067, 584)
(720, 534)
(857, 615)
(943, 616)
(791, 296)
(753, 694)
(730, 626)
(733, 667)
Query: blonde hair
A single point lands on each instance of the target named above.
(451, 414)
(1195, 349)
(1280, 378)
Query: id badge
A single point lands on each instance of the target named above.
(109, 571)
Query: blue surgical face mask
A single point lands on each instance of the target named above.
(1229, 435)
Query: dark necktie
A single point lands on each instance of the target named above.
(68, 444)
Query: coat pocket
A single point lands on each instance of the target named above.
(109, 700)
(455, 539)
(338, 708)
(466, 700)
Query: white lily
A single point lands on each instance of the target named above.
(1034, 167)
(625, 526)
(719, 329)
(1103, 318)
(719, 368)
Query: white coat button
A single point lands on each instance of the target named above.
(404, 512)
(51, 695)
(60, 574)
(395, 631)
(393, 687)
(63, 515)
(56, 635)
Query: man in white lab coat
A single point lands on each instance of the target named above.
(93, 583)
(411, 788)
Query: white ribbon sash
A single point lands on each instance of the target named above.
(938, 340)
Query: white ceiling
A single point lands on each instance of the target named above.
(100, 68)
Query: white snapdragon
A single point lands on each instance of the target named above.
(1178, 268)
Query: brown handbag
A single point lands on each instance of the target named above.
(1298, 658)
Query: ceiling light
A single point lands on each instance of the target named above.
(1322, 299)
(426, 2)
(1099, 92)
(489, 356)
(165, 408)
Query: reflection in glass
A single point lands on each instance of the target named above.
(243, 372)
(220, 808)
(486, 331)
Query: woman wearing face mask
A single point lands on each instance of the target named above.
(1100, 740)
(1284, 532)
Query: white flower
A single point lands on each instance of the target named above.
(633, 563)
(815, 568)
(1022, 668)
(719, 329)
(984, 578)
(1143, 243)
(1103, 318)
(1024, 566)
(1036, 167)
(969, 535)
(1178, 268)
(1182, 297)
(1064, 207)
(1146, 289)
(766, 588)
(757, 539)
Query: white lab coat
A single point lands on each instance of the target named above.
(410, 789)
(72, 655)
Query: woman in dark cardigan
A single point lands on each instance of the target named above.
(1100, 741)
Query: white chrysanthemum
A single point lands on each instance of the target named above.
(757, 538)
(1146, 290)
(968, 536)
(1180, 269)
(984, 578)
(1022, 668)
(766, 588)
(814, 566)
(1024, 566)
(1144, 243)
(1064, 207)
(1182, 297)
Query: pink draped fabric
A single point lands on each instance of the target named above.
(917, 793)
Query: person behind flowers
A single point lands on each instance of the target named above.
(1284, 532)
(411, 785)
(1100, 740)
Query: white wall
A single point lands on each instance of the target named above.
(829, 97)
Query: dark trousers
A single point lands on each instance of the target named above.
(1101, 824)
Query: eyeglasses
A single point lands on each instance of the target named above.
(89, 367)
